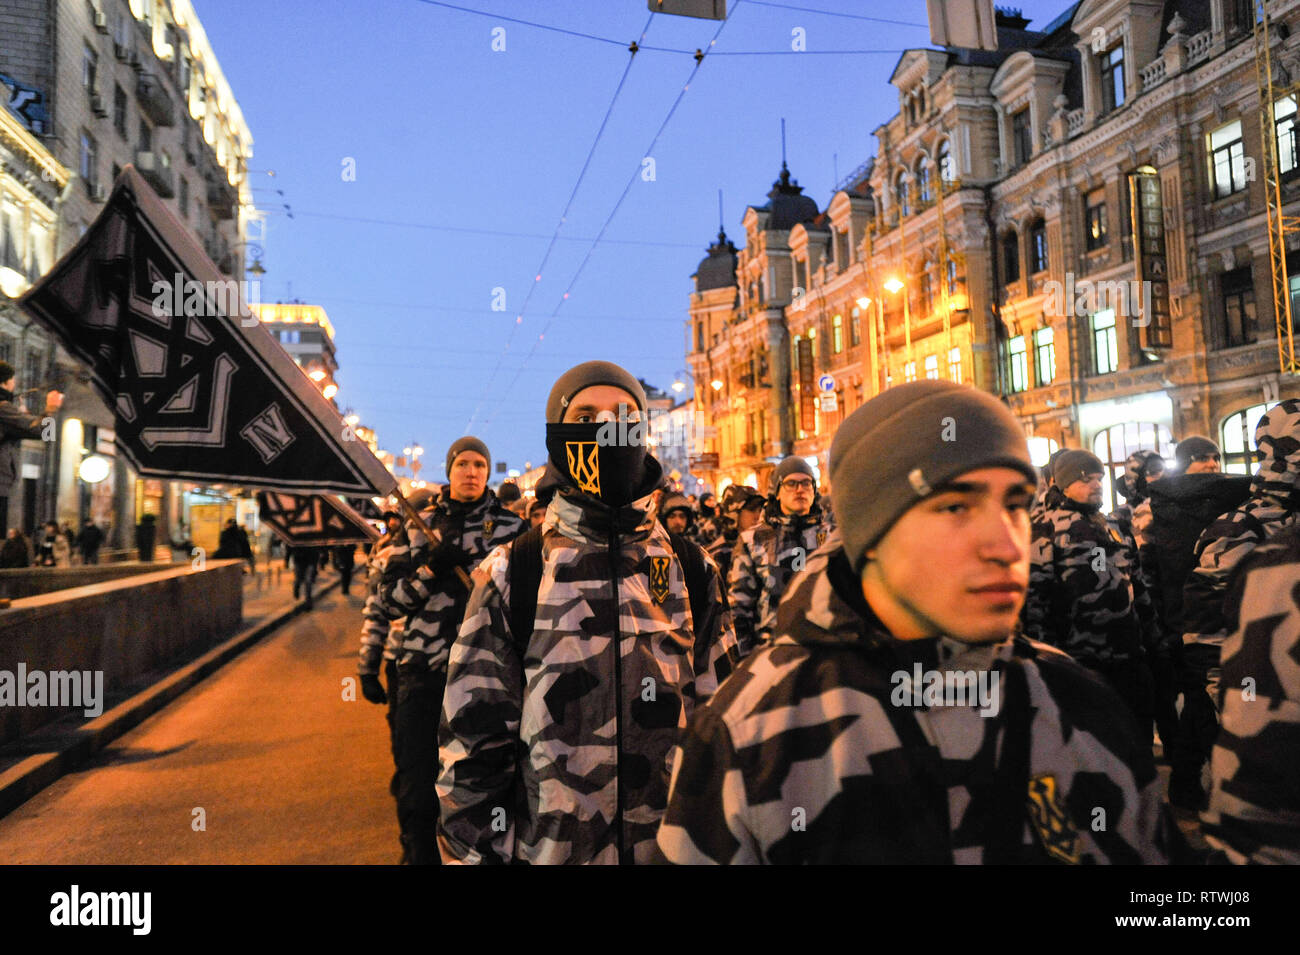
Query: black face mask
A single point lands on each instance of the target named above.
(612, 472)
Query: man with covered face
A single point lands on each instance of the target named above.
(766, 556)
(583, 653)
(830, 745)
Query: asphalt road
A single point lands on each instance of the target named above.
(282, 767)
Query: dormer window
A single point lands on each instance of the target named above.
(1112, 79)
(1021, 143)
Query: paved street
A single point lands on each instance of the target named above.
(284, 769)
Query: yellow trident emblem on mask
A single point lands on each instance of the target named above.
(584, 465)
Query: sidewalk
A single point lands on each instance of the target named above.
(35, 761)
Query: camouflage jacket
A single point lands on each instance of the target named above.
(381, 638)
(763, 560)
(722, 546)
(708, 529)
(561, 754)
(1086, 596)
(434, 605)
(1273, 506)
(815, 751)
(1254, 810)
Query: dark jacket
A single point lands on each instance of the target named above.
(14, 552)
(816, 751)
(1182, 506)
(15, 424)
(234, 543)
(89, 538)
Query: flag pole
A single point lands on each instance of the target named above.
(430, 533)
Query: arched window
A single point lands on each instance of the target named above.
(1040, 449)
(1010, 258)
(923, 179)
(1117, 442)
(900, 195)
(1237, 439)
(947, 168)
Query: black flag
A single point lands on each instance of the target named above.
(313, 521)
(200, 389)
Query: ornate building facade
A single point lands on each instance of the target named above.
(1075, 222)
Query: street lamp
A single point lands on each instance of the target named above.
(893, 284)
(716, 384)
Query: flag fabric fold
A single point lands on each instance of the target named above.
(315, 520)
(200, 390)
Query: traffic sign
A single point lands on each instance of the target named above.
(829, 402)
(826, 383)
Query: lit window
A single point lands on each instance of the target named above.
(1104, 344)
(837, 334)
(909, 371)
(1045, 356)
(1095, 237)
(1018, 364)
(1038, 247)
(932, 367)
(1227, 160)
(954, 365)
(1284, 116)
(1237, 439)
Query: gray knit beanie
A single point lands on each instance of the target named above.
(1073, 465)
(791, 465)
(1192, 446)
(467, 443)
(907, 442)
(584, 376)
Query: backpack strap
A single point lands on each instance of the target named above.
(693, 569)
(525, 575)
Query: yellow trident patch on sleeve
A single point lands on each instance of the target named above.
(584, 465)
(1051, 820)
(659, 579)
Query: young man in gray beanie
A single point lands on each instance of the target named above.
(583, 653)
(421, 581)
(893, 719)
(764, 559)
(1086, 594)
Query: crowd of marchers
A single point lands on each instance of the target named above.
(612, 672)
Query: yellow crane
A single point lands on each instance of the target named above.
(1280, 225)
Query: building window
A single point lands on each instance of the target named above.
(1239, 326)
(11, 248)
(1021, 143)
(1237, 439)
(909, 371)
(1038, 247)
(900, 195)
(40, 250)
(88, 163)
(699, 336)
(923, 180)
(927, 293)
(837, 334)
(32, 369)
(1105, 346)
(1018, 363)
(1096, 232)
(954, 365)
(89, 68)
(288, 337)
(951, 275)
(1227, 160)
(146, 137)
(6, 348)
(932, 367)
(184, 197)
(1045, 356)
(119, 110)
(1284, 115)
(855, 327)
(1112, 79)
(1117, 442)
(947, 168)
(1011, 257)
(1125, 221)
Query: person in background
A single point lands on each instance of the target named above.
(89, 540)
(16, 424)
(306, 561)
(45, 544)
(677, 516)
(14, 552)
(345, 556)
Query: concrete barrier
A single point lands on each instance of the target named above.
(18, 582)
(128, 629)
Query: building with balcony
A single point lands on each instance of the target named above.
(1075, 222)
(305, 332)
(99, 84)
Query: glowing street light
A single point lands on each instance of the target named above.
(864, 302)
(894, 285)
(716, 384)
(330, 390)
(316, 375)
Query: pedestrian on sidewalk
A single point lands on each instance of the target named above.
(14, 551)
(89, 539)
(16, 424)
(305, 562)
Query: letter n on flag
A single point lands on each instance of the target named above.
(200, 393)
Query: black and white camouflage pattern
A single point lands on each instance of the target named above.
(381, 637)
(802, 756)
(1254, 807)
(434, 606)
(563, 756)
(763, 560)
(1086, 595)
(1273, 507)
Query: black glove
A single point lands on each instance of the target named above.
(372, 689)
(446, 557)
